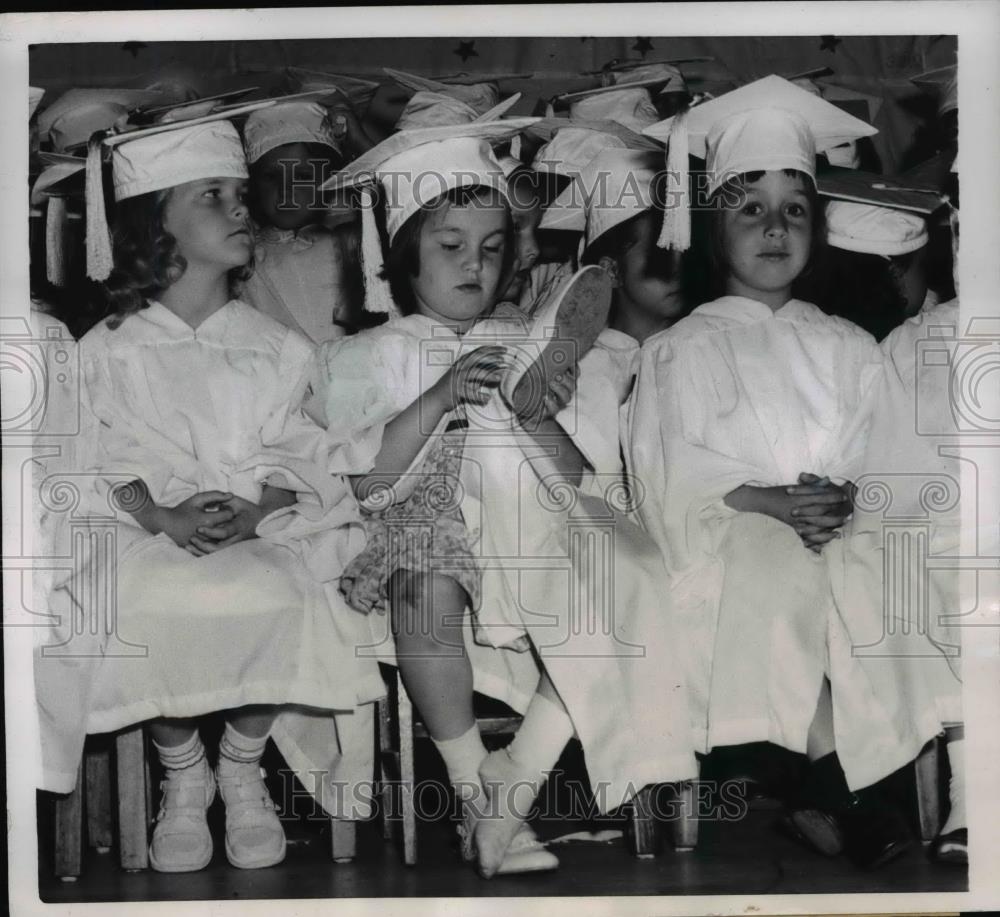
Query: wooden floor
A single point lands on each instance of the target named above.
(747, 856)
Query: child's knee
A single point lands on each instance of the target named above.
(424, 606)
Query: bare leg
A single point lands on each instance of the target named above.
(253, 721)
(427, 615)
(169, 733)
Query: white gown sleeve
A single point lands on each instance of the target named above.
(124, 447)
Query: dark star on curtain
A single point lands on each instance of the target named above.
(643, 46)
(134, 47)
(466, 49)
(829, 43)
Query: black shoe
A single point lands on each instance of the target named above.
(815, 829)
(874, 832)
(952, 848)
(832, 820)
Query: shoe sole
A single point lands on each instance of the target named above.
(161, 867)
(579, 318)
(539, 861)
(815, 829)
(255, 864)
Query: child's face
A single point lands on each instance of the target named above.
(209, 219)
(461, 256)
(526, 214)
(649, 276)
(767, 238)
(285, 183)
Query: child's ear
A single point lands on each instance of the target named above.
(611, 266)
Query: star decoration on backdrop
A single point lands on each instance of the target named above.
(643, 46)
(829, 43)
(466, 49)
(134, 47)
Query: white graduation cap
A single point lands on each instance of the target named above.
(481, 97)
(436, 109)
(414, 168)
(189, 109)
(876, 214)
(874, 230)
(631, 105)
(942, 84)
(288, 122)
(76, 110)
(615, 186)
(766, 125)
(357, 91)
(155, 158)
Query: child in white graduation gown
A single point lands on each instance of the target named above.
(302, 267)
(501, 546)
(210, 516)
(902, 609)
(746, 413)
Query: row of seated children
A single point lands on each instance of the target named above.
(197, 402)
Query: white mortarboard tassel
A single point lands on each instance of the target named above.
(675, 232)
(766, 125)
(55, 240)
(45, 191)
(99, 256)
(378, 293)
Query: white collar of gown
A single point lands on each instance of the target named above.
(176, 328)
(742, 310)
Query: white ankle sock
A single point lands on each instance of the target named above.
(183, 756)
(237, 751)
(956, 787)
(462, 757)
(541, 738)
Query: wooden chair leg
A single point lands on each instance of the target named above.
(133, 814)
(343, 840)
(643, 831)
(69, 833)
(686, 823)
(387, 756)
(404, 717)
(928, 790)
(98, 799)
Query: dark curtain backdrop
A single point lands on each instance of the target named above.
(878, 66)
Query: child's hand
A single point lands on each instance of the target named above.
(473, 377)
(240, 524)
(181, 522)
(782, 504)
(532, 410)
(822, 508)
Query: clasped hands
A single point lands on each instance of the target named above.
(210, 520)
(817, 509)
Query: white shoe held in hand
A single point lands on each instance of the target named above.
(562, 331)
